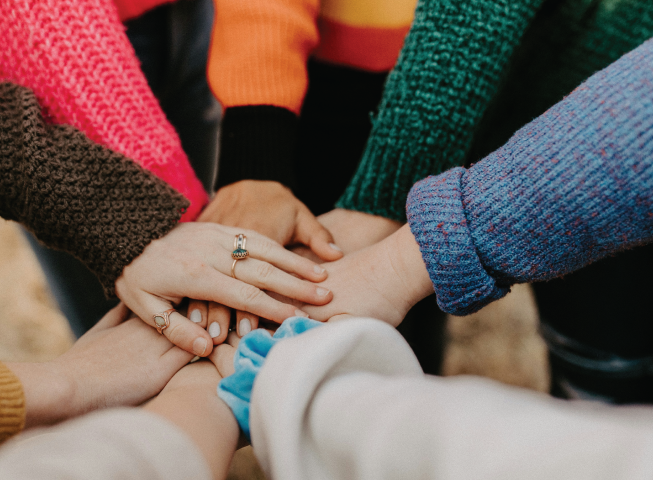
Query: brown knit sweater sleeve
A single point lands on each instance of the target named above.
(75, 195)
(12, 404)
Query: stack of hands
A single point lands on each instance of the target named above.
(375, 271)
(372, 267)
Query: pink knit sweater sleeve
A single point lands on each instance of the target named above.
(75, 56)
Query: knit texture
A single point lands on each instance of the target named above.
(12, 404)
(449, 69)
(568, 189)
(76, 58)
(75, 195)
(567, 42)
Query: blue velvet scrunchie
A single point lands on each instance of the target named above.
(236, 389)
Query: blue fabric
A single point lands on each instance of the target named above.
(236, 389)
(570, 188)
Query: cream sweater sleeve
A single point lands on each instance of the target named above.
(122, 443)
(348, 401)
(12, 404)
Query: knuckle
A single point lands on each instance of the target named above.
(176, 334)
(264, 271)
(264, 248)
(250, 294)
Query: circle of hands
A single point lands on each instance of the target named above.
(189, 270)
(332, 267)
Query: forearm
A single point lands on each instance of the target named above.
(75, 195)
(568, 189)
(446, 75)
(204, 418)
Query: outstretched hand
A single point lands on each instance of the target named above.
(382, 281)
(118, 362)
(272, 210)
(194, 260)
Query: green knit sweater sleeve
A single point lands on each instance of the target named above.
(448, 71)
(75, 195)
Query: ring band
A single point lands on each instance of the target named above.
(239, 253)
(162, 320)
(233, 269)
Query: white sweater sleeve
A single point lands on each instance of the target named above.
(349, 401)
(125, 444)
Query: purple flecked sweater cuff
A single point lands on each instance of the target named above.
(436, 216)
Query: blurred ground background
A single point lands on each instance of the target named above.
(500, 342)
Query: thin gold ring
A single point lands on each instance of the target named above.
(233, 269)
(162, 320)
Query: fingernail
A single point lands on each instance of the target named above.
(322, 292)
(319, 270)
(214, 330)
(196, 316)
(199, 346)
(245, 327)
(335, 247)
(300, 313)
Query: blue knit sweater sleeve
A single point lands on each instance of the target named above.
(570, 188)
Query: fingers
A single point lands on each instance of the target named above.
(113, 317)
(245, 323)
(265, 249)
(198, 312)
(267, 277)
(176, 358)
(312, 233)
(218, 322)
(181, 331)
(212, 285)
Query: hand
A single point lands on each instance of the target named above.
(115, 363)
(194, 260)
(272, 210)
(352, 230)
(382, 281)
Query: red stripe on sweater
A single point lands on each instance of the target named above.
(367, 48)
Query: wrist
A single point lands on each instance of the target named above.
(257, 142)
(49, 392)
(407, 263)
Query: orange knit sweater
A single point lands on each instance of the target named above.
(260, 47)
(12, 404)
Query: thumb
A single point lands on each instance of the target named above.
(312, 233)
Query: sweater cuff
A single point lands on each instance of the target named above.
(257, 143)
(253, 349)
(437, 220)
(12, 404)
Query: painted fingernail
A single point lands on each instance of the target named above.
(321, 292)
(319, 270)
(214, 330)
(196, 316)
(199, 346)
(335, 247)
(245, 327)
(300, 313)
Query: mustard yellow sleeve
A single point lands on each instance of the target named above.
(12, 404)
